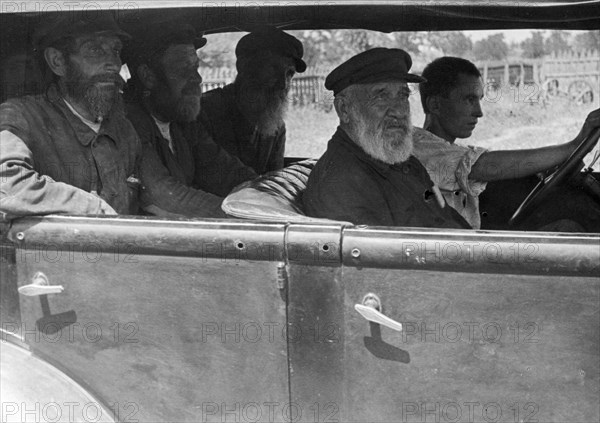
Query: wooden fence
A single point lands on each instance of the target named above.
(576, 74)
(307, 87)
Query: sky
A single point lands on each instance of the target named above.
(512, 35)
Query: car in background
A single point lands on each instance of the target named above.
(145, 319)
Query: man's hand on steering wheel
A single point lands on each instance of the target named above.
(586, 140)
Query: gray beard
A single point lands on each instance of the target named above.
(390, 150)
(265, 108)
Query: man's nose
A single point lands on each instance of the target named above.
(197, 78)
(398, 107)
(113, 61)
(477, 110)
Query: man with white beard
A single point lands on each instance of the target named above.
(71, 149)
(368, 174)
(247, 117)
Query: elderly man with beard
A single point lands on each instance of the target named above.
(183, 171)
(368, 175)
(246, 117)
(71, 150)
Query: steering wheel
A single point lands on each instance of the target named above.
(570, 167)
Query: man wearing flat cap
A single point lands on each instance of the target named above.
(247, 116)
(71, 149)
(368, 174)
(183, 171)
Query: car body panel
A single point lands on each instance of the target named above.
(160, 319)
(195, 312)
(480, 341)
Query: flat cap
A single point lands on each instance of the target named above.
(148, 44)
(55, 27)
(375, 65)
(272, 39)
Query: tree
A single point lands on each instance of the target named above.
(589, 40)
(533, 47)
(557, 42)
(331, 47)
(491, 48)
(451, 43)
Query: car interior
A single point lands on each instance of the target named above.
(278, 196)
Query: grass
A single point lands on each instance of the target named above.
(508, 123)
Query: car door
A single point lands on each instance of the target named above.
(496, 327)
(163, 320)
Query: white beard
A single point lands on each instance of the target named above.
(388, 149)
(265, 108)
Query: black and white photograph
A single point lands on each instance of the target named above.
(303, 211)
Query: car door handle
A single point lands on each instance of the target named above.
(40, 285)
(370, 309)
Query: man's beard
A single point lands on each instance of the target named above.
(262, 105)
(98, 96)
(391, 149)
(186, 108)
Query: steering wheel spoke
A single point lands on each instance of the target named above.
(570, 167)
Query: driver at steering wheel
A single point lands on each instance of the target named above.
(451, 99)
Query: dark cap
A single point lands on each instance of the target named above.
(272, 39)
(55, 27)
(375, 65)
(152, 43)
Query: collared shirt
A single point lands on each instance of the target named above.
(228, 127)
(165, 131)
(347, 184)
(94, 126)
(51, 161)
(189, 180)
(449, 166)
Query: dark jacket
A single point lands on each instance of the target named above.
(347, 184)
(50, 161)
(228, 127)
(190, 182)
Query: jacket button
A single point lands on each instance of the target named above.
(405, 169)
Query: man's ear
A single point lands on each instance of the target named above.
(147, 76)
(342, 108)
(433, 104)
(56, 60)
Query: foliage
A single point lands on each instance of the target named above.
(491, 48)
(589, 40)
(557, 42)
(331, 47)
(450, 43)
(533, 47)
